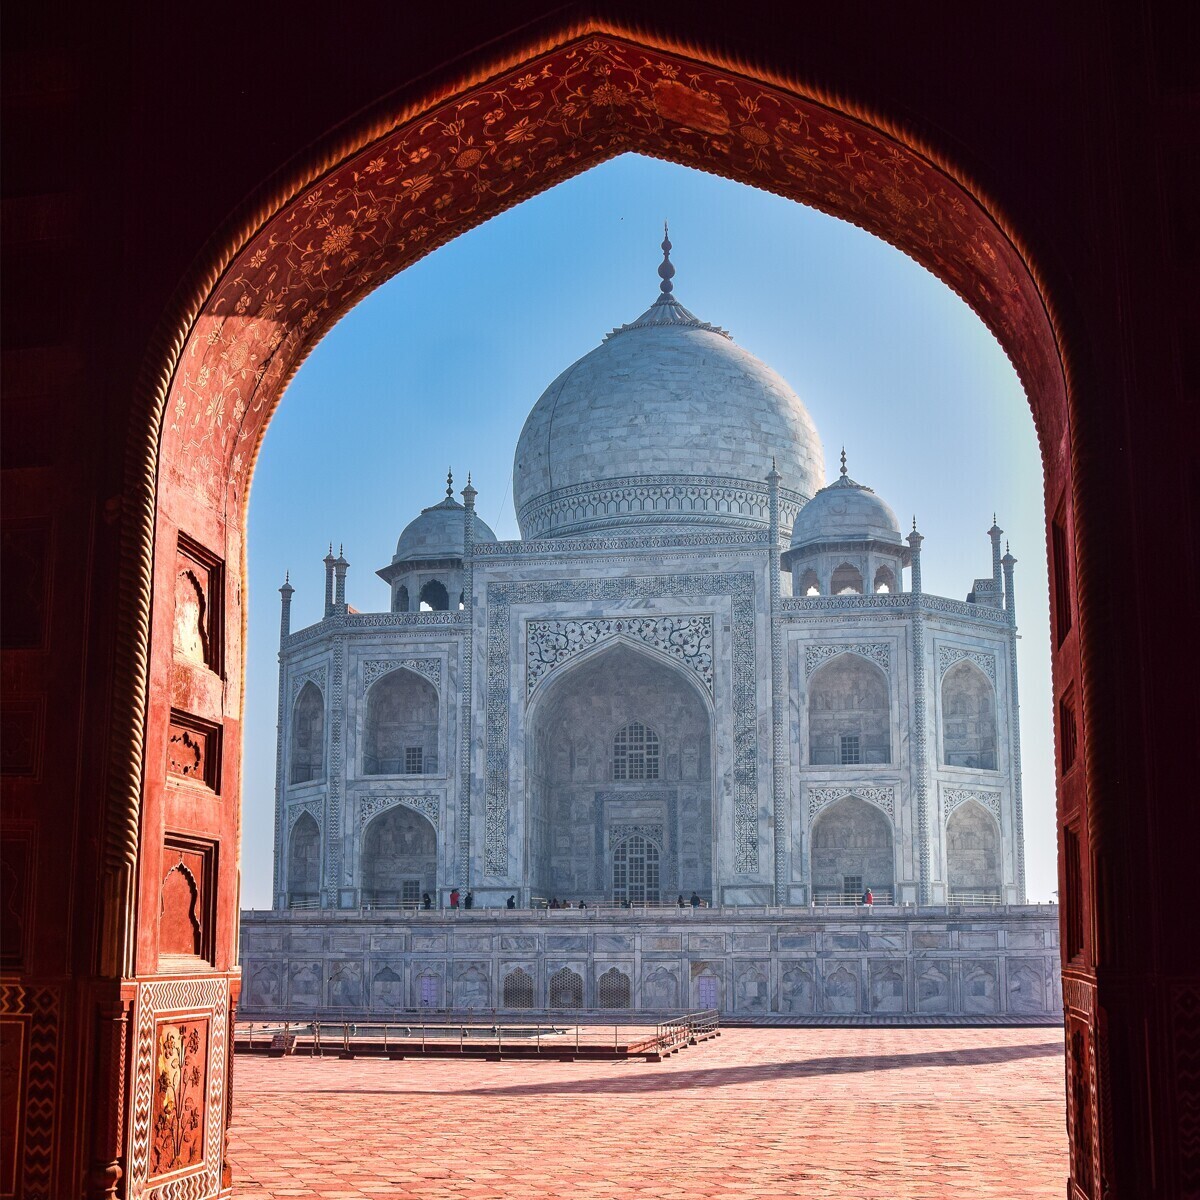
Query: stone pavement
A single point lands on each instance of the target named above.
(757, 1114)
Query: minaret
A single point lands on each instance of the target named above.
(914, 541)
(1010, 611)
(329, 564)
(779, 763)
(465, 671)
(339, 565)
(994, 533)
(920, 705)
(1010, 603)
(285, 608)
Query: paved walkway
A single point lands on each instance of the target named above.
(759, 1114)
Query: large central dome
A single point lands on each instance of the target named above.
(667, 427)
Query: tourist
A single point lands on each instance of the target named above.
(469, 902)
(511, 902)
(454, 898)
(426, 901)
(554, 902)
(695, 900)
(680, 902)
(868, 898)
(583, 904)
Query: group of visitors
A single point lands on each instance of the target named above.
(468, 901)
(694, 900)
(556, 903)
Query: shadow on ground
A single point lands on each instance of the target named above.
(675, 1080)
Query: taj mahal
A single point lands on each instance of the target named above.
(701, 674)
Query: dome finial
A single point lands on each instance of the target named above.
(843, 461)
(666, 270)
(449, 483)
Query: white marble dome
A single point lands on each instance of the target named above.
(438, 533)
(845, 511)
(667, 426)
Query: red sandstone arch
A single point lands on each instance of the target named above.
(377, 200)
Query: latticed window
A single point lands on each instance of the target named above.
(518, 989)
(613, 989)
(636, 871)
(851, 749)
(635, 753)
(852, 886)
(410, 891)
(414, 760)
(566, 989)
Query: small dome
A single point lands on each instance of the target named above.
(438, 533)
(845, 511)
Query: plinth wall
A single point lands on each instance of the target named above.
(975, 962)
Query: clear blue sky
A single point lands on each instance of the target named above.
(440, 366)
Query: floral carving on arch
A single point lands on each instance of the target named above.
(497, 142)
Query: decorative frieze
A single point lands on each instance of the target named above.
(651, 832)
(550, 644)
(296, 811)
(953, 797)
(427, 804)
(374, 668)
(882, 797)
(880, 653)
(315, 676)
(569, 547)
(739, 586)
(949, 655)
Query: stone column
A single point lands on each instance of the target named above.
(329, 564)
(465, 691)
(285, 628)
(1014, 719)
(778, 699)
(994, 533)
(919, 731)
(340, 566)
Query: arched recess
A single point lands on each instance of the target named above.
(400, 729)
(579, 809)
(849, 713)
(383, 192)
(974, 866)
(434, 597)
(400, 599)
(399, 858)
(810, 585)
(307, 744)
(968, 718)
(885, 580)
(304, 863)
(852, 850)
(846, 580)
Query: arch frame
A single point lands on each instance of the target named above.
(152, 475)
(873, 654)
(1003, 744)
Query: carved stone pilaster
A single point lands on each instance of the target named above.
(465, 672)
(333, 809)
(779, 748)
(108, 1134)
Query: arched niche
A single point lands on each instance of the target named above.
(849, 713)
(846, 580)
(885, 580)
(565, 989)
(974, 865)
(434, 597)
(968, 718)
(518, 989)
(579, 809)
(304, 863)
(399, 858)
(307, 745)
(400, 599)
(852, 850)
(636, 871)
(400, 729)
(808, 584)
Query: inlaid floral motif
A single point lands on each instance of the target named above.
(177, 1129)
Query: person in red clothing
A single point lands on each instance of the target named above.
(868, 898)
(454, 898)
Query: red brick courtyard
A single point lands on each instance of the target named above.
(856, 1114)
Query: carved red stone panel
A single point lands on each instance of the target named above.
(25, 563)
(199, 604)
(178, 1110)
(16, 890)
(22, 724)
(186, 904)
(194, 750)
